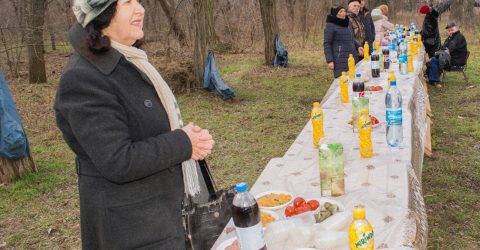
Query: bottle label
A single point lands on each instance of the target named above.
(251, 237)
(316, 116)
(375, 64)
(364, 240)
(394, 116)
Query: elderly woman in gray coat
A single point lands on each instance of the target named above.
(117, 114)
(339, 42)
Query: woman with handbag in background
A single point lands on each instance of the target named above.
(135, 160)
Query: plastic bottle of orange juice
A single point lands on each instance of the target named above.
(366, 52)
(351, 67)
(410, 63)
(365, 129)
(360, 231)
(391, 77)
(344, 88)
(317, 123)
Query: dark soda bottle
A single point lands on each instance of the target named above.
(246, 217)
(358, 85)
(386, 58)
(375, 64)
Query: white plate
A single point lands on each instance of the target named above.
(275, 192)
(226, 243)
(272, 213)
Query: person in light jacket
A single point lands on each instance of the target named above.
(339, 42)
(382, 25)
(123, 123)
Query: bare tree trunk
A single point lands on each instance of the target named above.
(270, 28)
(202, 39)
(291, 14)
(12, 169)
(36, 60)
(304, 20)
(169, 11)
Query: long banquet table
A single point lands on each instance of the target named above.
(388, 184)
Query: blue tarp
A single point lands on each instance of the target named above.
(212, 80)
(281, 57)
(13, 140)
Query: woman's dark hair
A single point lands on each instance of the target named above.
(97, 43)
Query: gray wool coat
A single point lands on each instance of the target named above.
(128, 160)
(339, 43)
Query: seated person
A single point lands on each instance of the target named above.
(457, 48)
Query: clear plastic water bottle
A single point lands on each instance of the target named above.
(246, 217)
(393, 103)
(403, 48)
(403, 64)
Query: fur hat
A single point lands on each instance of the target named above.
(87, 10)
(334, 11)
(377, 15)
(424, 9)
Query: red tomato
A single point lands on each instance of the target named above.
(379, 88)
(374, 120)
(298, 202)
(313, 204)
(289, 211)
(302, 209)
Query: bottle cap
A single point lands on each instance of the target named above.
(316, 104)
(364, 112)
(393, 83)
(359, 213)
(344, 73)
(241, 187)
(359, 75)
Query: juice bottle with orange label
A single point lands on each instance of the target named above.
(365, 130)
(366, 52)
(344, 88)
(351, 67)
(410, 63)
(317, 123)
(360, 231)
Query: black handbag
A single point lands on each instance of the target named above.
(204, 222)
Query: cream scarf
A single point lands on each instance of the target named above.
(139, 58)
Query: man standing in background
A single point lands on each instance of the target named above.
(358, 28)
(366, 18)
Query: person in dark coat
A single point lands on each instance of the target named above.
(456, 44)
(339, 42)
(430, 32)
(353, 13)
(115, 114)
(367, 20)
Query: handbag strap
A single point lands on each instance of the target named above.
(207, 176)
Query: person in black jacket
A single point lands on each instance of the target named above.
(456, 44)
(339, 42)
(367, 21)
(430, 32)
(130, 147)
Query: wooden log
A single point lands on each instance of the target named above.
(10, 170)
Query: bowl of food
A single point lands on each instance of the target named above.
(274, 200)
(268, 216)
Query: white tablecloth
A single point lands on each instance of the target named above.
(387, 184)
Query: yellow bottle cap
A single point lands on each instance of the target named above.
(351, 55)
(344, 73)
(364, 112)
(359, 213)
(316, 104)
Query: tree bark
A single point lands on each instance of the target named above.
(12, 169)
(36, 60)
(203, 39)
(291, 14)
(174, 25)
(270, 28)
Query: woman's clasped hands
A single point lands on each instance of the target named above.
(202, 141)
